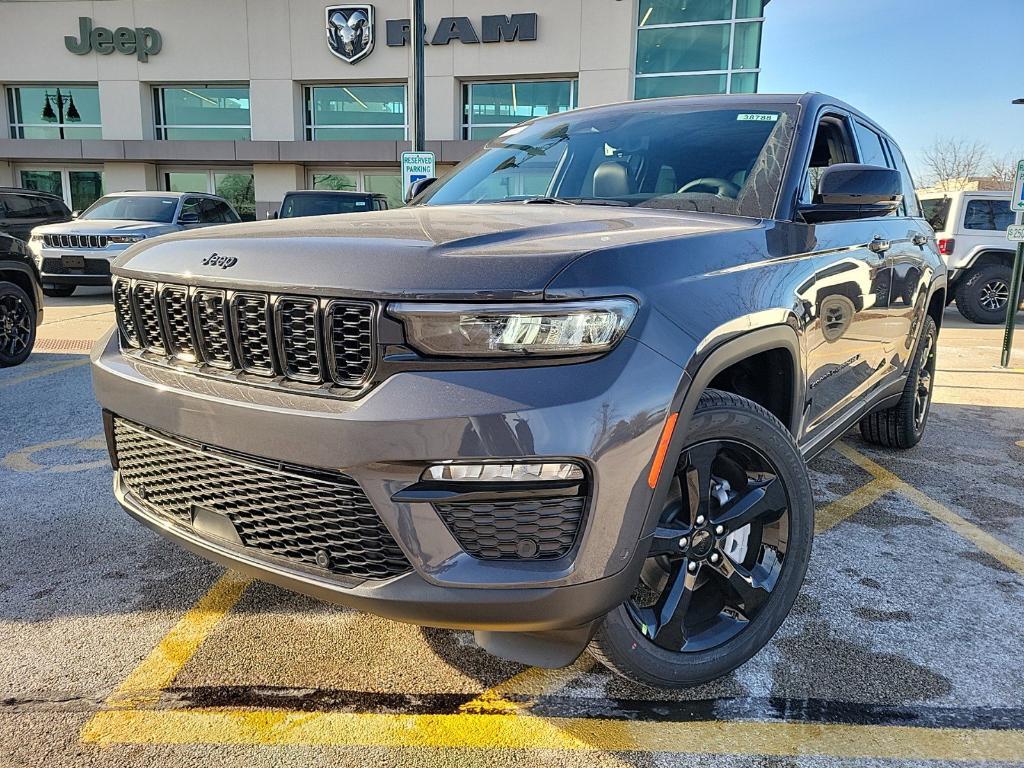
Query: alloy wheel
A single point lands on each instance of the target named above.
(925, 381)
(718, 551)
(994, 295)
(15, 326)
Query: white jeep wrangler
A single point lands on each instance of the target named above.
(970, 228)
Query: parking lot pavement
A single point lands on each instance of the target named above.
(904, 649)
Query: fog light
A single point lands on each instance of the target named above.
(504, 473)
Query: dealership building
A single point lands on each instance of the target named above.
(253, 98)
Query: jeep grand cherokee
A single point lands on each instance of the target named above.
(565, 399)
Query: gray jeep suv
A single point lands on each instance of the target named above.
(79, 252)
(565, 399)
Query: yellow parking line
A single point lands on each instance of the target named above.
(984, 541)
(163, 664)
(530, 683)
(849, 505)
(502, 731)
(56, 368)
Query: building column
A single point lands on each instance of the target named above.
(127, 109)
(275, 108)
(272, 181)
(122, 177)
(607, 52)
(7, 174)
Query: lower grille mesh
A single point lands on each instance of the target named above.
(524, 529)
(324, 522)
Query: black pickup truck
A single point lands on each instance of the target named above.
(564, 399)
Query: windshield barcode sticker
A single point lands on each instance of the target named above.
(764, 117)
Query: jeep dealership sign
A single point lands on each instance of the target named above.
(493, 29)
(141, 41)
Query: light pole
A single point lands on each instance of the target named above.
(58, 98)
(1013, 302)
(418, 130)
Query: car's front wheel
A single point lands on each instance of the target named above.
(729, 553)
(58, 291)
(17, 325)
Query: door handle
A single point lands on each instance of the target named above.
(879, 245)
(920, 240)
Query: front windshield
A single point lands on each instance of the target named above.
(666, 155)
(133, 208)
(322, 205)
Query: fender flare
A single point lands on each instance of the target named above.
(701, 371)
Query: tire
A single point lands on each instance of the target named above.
(981, 297)
(638, 654)
(58, 291)
(17, 325)
(903, 425)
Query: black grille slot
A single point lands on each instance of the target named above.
(148, 316)
(522, 529)
(174, 300)
(298, 334)
(212, 328)
(252, 333)
(76, 241)
(123, 309)
(350, 341)
(321, 522)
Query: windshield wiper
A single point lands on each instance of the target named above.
(549, 200)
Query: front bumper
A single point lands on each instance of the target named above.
(606, 414)
(96, 269)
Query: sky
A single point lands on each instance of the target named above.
(921, 69)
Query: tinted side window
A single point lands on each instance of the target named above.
(991, 215)
(910, 202)
(831, 145)
(24, 207)
(191, 205)
(215, 212)
(872, 150)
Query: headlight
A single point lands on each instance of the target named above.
(508, 330)
(125, 238)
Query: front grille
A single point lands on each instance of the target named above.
(76, 241)
(321, 520)
(271, 339)
(522, 529)
(52, 266)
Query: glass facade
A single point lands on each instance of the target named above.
(236, 186)
(690, 47)
(54, 112)
(387, 183)
(78, 188)
(202, 112)
(489, 109)
(355, 113)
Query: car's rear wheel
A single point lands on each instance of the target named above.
(17, 325)
(728, 557)
(902, 425)
(982, 297)
(58, 291)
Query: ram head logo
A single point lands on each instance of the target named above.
(350, 31)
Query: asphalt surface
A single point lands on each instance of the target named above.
(904, 647)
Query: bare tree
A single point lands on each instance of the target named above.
(951, 162)
(1004, 169)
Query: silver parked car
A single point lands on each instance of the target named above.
(79, 252)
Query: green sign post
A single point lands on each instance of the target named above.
(1014, 234)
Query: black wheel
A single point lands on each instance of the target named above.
(58, 291)
(982, 297)
(902, 426)
(17, 325)
(728, 556)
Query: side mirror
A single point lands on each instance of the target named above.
(75, 214)
(188, 218)
(851, 191)
(417, 187)
(273, 215)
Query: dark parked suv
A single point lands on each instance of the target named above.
(564, 399)
(23, 209)
(313, 202)
(21, 301)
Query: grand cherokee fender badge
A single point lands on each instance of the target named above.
(224, 262)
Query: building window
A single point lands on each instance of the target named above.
(386, 182)
(202, 112)
(234, 185)
(78, 187)
(490, 109)
(54, 112)
(698, 47)
(355, 113)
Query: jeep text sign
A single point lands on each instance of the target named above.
(142, 41)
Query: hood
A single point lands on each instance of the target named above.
(497, 251)
(104, 227)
